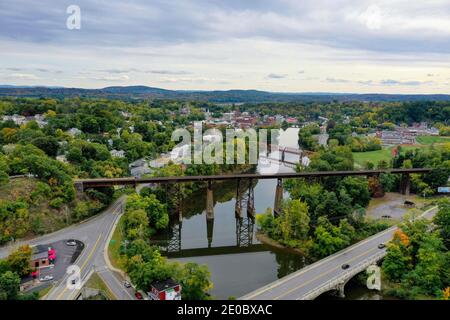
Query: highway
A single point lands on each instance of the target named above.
(95, 234)
(300, 284)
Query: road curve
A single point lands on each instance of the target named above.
(95, 234)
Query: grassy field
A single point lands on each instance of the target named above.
(114, 246)
(95, 282)
(361, 158)
(432, 139)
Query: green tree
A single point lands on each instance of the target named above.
(396, 263)
(195, 281)
(19, 261)
(442, 220)
(9, 285)
(294, 220)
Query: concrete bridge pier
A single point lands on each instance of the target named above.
(341, 290)
(209, 202)
(278, 197)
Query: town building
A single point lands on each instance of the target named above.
(165, 290)
(139, 168)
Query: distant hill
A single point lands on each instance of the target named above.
(228, 96)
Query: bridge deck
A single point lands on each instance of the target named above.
(299, 285)
(134, 181)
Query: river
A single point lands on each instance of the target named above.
(238, 262)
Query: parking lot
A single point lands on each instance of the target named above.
(65, 256)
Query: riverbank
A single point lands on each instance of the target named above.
(265, 239)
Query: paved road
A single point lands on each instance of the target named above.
(298, 284)
(94, 233)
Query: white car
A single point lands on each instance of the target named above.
(71, 243)
(46, 278)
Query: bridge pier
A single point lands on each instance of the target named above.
(278, 197)
(375, 186)
(341, 289)
(209, 202)
(283, 155)
(244, 232)
(210, 231)
(79, 187)
(405, 184)
(238, 205)
(251, 201)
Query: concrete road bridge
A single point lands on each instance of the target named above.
(327, 274)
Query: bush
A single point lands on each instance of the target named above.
(56, 203)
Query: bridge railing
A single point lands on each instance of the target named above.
(343, 277)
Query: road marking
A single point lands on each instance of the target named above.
(84, 264)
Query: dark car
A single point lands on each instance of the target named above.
(381, 246)
(345, 266)
(138, 296)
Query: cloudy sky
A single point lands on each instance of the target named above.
(392, 46)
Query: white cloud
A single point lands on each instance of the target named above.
(372, 17)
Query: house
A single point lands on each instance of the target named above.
(39, 260)
(42, 256)
(291, 120)
(165, 290)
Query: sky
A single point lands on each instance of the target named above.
(352, 46)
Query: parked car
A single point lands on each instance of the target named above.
(71, 243)
(381, 246)
(138, 296)
(127, 284)
(345, 266)
(46, 278)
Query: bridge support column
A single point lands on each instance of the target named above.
(210, 231)
(340, 290)
(283, 154)
(238, 205)
(79, 187)
(405, 184)
(251, 201)
(278, 197)
(209, 202)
